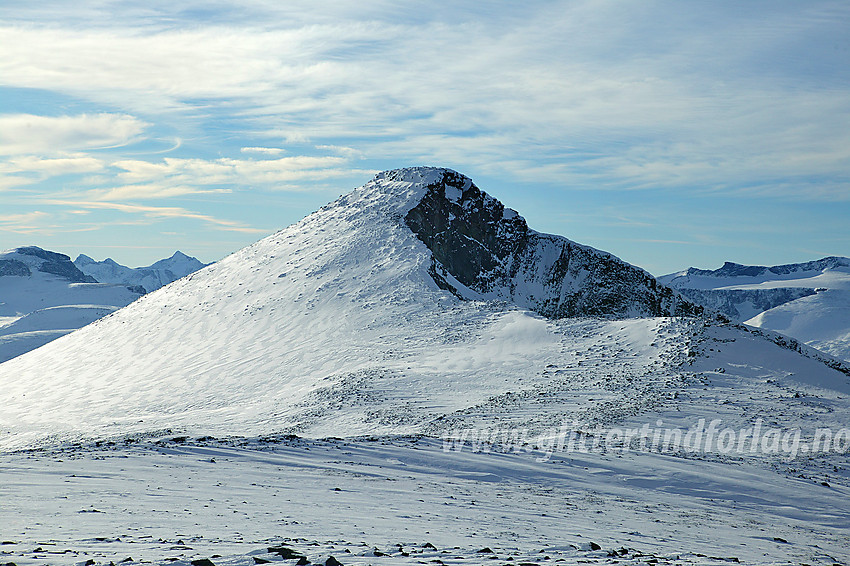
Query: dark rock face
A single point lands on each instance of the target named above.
(57, 264)
(34, 251)
(13, 267)
(67, 270)
(490, 250)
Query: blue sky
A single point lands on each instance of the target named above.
(668, 133)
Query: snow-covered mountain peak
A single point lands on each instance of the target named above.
(394, 192)
(146, 279)
(809, 300)
(736, 274)
(306, 322)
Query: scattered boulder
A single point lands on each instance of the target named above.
(284, 552)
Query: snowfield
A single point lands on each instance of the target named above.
(231, 500)
(319, 390)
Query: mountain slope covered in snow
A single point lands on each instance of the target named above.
(337, 325)
(413, 308)
(809, 301)
(324, 318)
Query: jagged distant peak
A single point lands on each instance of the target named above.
(83, 259)
(147, 278)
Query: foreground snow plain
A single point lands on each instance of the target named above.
(180, 501)
(160, 432)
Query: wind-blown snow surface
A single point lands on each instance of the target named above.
(334, 327)
(807, 301)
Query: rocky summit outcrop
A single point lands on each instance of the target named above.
(482, 250)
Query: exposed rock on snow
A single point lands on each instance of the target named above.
(494, 255)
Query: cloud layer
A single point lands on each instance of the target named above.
(740, 100)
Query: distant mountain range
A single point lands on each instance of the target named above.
(150, 278)
(44, 295)
(809, 301)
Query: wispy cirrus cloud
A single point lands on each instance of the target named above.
(263, 150)
(664, 100)
(22, 134)
(583, 93)
(160, 212)
(27, 223)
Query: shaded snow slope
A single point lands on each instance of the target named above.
(808, 301)
(821, 320)
(150, 278)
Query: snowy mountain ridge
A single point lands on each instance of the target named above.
(809, 301)
(150, 278)
(336, 326)
(43, 296)
(23, 261)
(737, 275)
